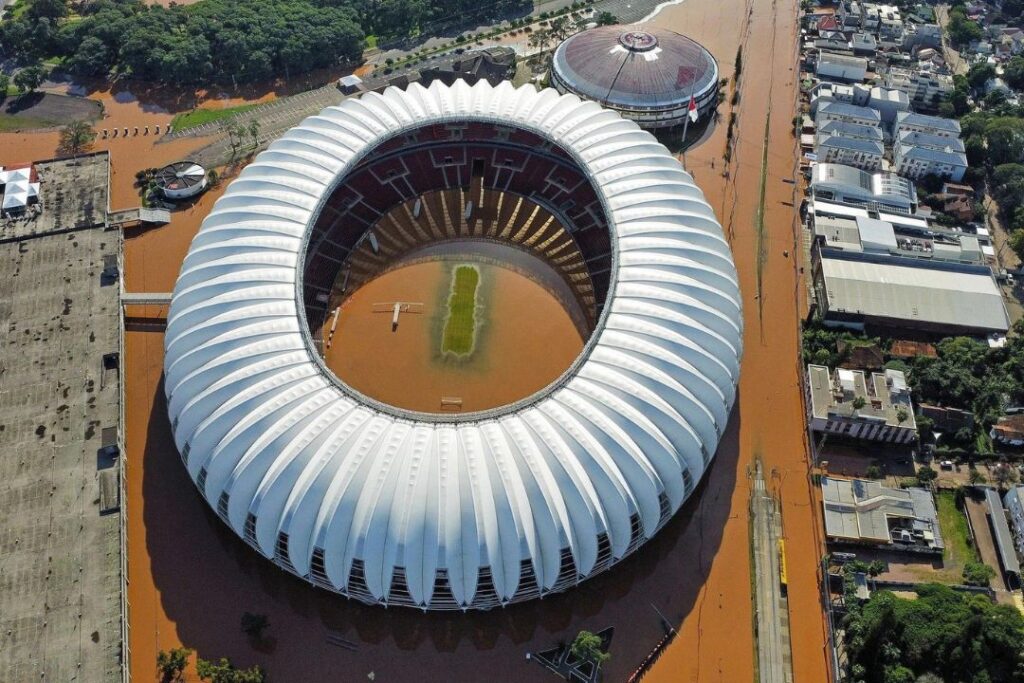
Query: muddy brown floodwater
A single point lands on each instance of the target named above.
(190, 578)
(524, 340)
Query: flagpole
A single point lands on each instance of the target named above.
(686, 124)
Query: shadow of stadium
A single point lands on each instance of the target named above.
(207, 577)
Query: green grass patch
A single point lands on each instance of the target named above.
(957, 537)
(199, 117)
(460, 325)
(9, 122)
(371, 42)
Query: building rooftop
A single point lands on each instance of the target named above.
(848, 110)
(862, 510)
(937, 156)
(909, 118)
(1002, 535)
(850, 144)
(917, 139)
(915, 293)
(848, 129)
(885, 395)
(620, 65)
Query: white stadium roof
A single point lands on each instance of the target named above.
(442, 511)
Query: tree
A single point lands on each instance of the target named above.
(253, 625)
(961, 30)
(859, 403)
(1004, 475)
(876, 567)
(171, 665)
(605, 19)
(926, 475)
(979, 75)
(75, 138)
(587, 647)
(977, 574)
(254, 132)
(976, 477)
(223, 671)
(5, 82)
(901, 415)
(30, 78)
(873, 472)
(236, 135)
(965, 637)
(1013, 73)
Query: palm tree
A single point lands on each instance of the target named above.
(254, 132)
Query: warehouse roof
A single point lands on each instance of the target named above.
(911, 293)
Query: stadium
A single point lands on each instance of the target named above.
(647, 75)
(572, 315)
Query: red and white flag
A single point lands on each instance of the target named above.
(691, 110)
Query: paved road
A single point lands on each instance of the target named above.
(774, 659)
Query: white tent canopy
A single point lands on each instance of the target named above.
(18, 188)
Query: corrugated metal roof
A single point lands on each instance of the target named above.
(1004, 539)
(909, 293)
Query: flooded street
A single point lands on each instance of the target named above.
(714, 642)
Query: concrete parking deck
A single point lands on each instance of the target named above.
(60, 580)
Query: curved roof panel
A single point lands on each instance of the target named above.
(422, 510)
(622, 66)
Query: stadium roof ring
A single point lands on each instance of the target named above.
(438, 511)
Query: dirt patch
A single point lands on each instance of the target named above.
(47, 110)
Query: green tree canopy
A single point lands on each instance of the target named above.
(980, 74)
(1013, 73)
(961, 30)
(587, 646)
(956, 636)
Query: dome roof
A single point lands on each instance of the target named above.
(419, 509)
(623, 66)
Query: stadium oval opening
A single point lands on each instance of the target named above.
(456, 271)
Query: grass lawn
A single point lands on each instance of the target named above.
(9, 122)
(198, 117)
(955, 534)
(460, 325)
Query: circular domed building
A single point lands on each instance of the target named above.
(181, 180)
(388, 504)
(647, 75)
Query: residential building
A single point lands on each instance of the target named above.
(925, 89)
(848, 185)
(848, 404)
(921, 35)
(851, 130)
(1009, 430)
(889, 102)
(841, 67)
(916, 162)
(863, 45)
(922, 123)
(841, 111)
(857, 152)
(855, 94)
(946, 419)
(860, 511)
